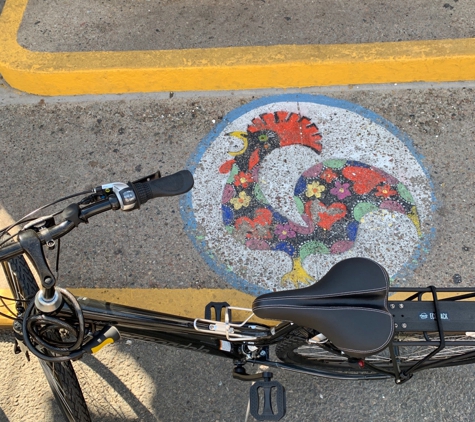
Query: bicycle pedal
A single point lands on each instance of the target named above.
(267, 400)
(107, 335)
(218, 308)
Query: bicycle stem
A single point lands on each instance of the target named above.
(47, 299)
(31, 241)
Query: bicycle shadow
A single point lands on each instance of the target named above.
(198, 387)
(124, 393)
(159, 383)
(3, 416)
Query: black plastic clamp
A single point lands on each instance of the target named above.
(218, 308)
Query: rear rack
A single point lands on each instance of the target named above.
(437, 315)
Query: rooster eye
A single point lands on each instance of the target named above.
(263, 137)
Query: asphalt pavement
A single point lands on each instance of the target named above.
(56, 145)
(161, 25)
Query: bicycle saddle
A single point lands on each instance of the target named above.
(348, 305)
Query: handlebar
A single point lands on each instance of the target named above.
(44, 230)
(174, 184)
(111, 196)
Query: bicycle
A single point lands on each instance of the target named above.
(342, 327)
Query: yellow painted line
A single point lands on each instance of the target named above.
(184, 302)
(400, 296)
(6, 322)
(235, 68)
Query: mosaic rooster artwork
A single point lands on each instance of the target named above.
(332, 196)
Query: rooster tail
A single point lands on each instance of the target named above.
(415, 219)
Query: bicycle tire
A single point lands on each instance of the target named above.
(20, 278)
(61, 376)
(295, 349)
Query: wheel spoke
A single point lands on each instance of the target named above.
(297, 350)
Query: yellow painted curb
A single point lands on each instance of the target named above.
(283, 66)
(184, 302)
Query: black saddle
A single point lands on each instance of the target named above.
(349, 305)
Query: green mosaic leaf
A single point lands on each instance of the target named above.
(232, 173)
(259, 195)
(229, 229)
(334, 164)
(363, 208)
(312, 248)
(300, 205)
(404, 192)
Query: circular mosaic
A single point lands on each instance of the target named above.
(287, 186)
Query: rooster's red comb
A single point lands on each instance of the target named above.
(292, 128)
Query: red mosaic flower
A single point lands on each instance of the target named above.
(328, 175)
(385, 191)
(243, 179)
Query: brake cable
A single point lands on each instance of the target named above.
(27, 218)
(36, 325)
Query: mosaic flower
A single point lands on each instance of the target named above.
(257, 244)
(243, 200)
(284, 231)
(243, 179)
(341, 190)
(246, 231)
(385, 191)
(314, 189)
(328, 175)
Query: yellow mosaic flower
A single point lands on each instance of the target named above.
(243, 200)
(314, 189)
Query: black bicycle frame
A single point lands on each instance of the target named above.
(176, 331)
(180, 332)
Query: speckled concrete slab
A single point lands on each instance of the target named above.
(69, 147)
(56, 146)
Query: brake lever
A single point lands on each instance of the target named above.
(156, 175)
(44, 219)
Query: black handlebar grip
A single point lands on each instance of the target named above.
(174, 184)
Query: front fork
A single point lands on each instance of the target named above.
(49, 300)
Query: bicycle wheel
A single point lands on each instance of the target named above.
(66, 390)
(296, 349)
(60, 376)
(103, 382)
